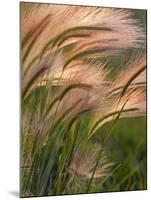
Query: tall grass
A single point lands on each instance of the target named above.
(69, 94)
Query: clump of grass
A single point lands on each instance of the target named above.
(68, 95)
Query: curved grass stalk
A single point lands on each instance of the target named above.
(42, 26)
(66, 90)
(117, 90)
(118, 113)
(59, 39)
(131, 79)
(85, 53)
(32, 80)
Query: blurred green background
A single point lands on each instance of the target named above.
(128, 150)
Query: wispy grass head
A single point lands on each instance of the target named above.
(83, 163)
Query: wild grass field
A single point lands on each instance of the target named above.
(83, 100)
